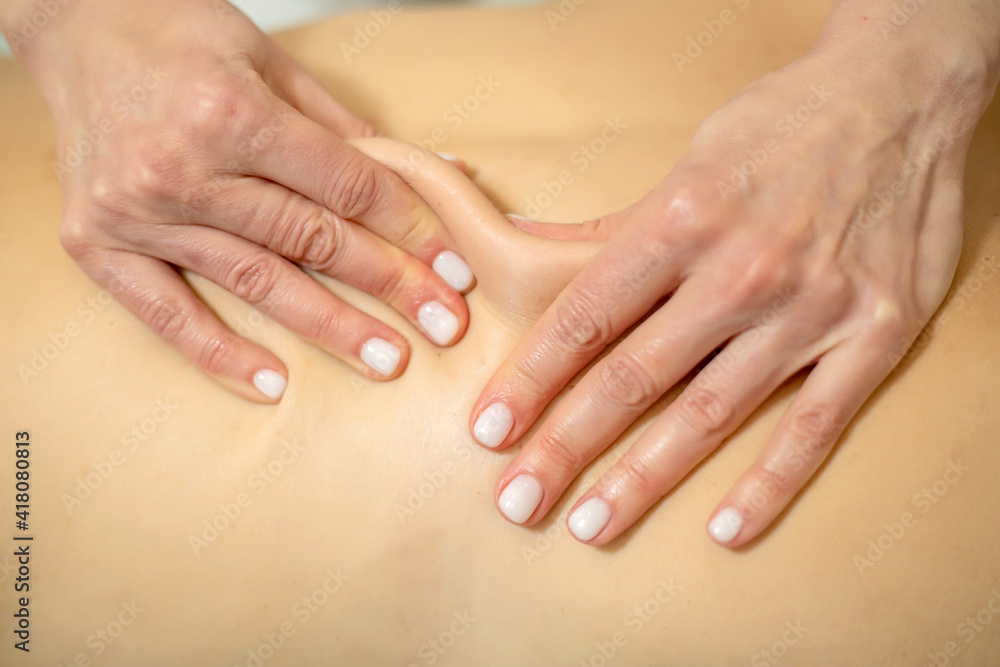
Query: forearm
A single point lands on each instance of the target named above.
(56, 39)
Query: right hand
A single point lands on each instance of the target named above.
(191, 140)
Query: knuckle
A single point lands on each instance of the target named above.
(217, 107)
(774, 483)
(354, 190)
(328, 327)
(814, 430)
(74, 236)
(528, 379)
(686, 218)
(642, 477)
(216, 355)
(166, 316)
(106, 195)
(388, 285)
(254, 278)
(705, 412)
(413, 230)
(762, 275)
(156, 169)
(582, 328)
(755, 281)
(626, 381)
(555, 450)
(315, 241)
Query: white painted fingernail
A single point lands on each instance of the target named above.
(454, 270)
(381, 355)
(270, 383)
(726, 525)
(439, 322)
(519, 500)
(448, 156)
(519, 217)
(589, 519)
(493, 425)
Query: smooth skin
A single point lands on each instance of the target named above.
(189, 139)
(814, 222)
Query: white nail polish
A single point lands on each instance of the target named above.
(381, 355)
(271, 384)
(454, 270)
(519, 500)
(493, 425)
(589, 519)
(726, 525)
(448, 156)
(439, 322)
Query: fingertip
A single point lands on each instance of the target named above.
(454, 270)
(493, 425)
(266, 385)
(725, 526)
(519, 499)
(385, 359)
(455, 162)
(271, 383)
(440, 324)
(589, 519)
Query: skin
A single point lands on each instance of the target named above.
(814, 222)
(189, 139)
(539, 597)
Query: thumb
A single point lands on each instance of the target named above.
(599, 229)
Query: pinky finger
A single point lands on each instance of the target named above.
(830, 397)
(155, 293)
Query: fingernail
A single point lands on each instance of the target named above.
(519, 500)
(454, 270)
(448, 156)
(381, 355)
(439, 322)
(726, 525)
(270, 383)
(493, 425)
(519, 217)
(589, 519)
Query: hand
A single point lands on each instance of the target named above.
(192, 140)
(815, 222)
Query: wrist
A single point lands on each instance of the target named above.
(935, 61)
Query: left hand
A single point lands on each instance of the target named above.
(815, 220)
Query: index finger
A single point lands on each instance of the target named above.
(621, 284)
(305, 157)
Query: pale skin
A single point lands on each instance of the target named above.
(865, 325)
(189, 139)
(814, 222)
(378, 522)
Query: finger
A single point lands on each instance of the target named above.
(456, 162)
(830, 397)
(156, 294)
(601, 229)
(480, 230)
(294, 84)
(281, 290)
(621, 284)
(308, 234)
(616, 391)
(709, 409)
(309, 160)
